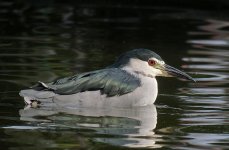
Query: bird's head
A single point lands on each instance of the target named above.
(149, 63)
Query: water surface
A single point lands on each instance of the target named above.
(44, 43)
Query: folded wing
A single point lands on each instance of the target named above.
(111, 81)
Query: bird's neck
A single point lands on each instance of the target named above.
(138, 74)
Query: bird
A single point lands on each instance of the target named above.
(129, 82)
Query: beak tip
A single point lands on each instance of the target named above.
(193, 80)
(177, 73)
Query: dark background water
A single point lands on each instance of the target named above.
(44, 40)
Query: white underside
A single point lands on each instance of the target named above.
(144, 95)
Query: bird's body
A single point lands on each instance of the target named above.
(96, 99)
(129, 82)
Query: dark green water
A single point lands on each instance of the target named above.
(40, 43)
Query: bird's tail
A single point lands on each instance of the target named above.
(32, 96)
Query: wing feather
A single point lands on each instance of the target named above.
(111, 81)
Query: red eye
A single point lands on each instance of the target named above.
(151, 62)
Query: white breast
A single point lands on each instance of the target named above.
(147, 93)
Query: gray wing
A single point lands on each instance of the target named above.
(112, 81)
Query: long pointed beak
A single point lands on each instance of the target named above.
(171, 71)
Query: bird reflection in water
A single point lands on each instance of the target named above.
(131, 127)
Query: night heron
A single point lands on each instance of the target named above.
(129, 82)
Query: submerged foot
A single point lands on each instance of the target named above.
(31, 102)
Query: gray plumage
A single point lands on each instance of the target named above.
(110, 81)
